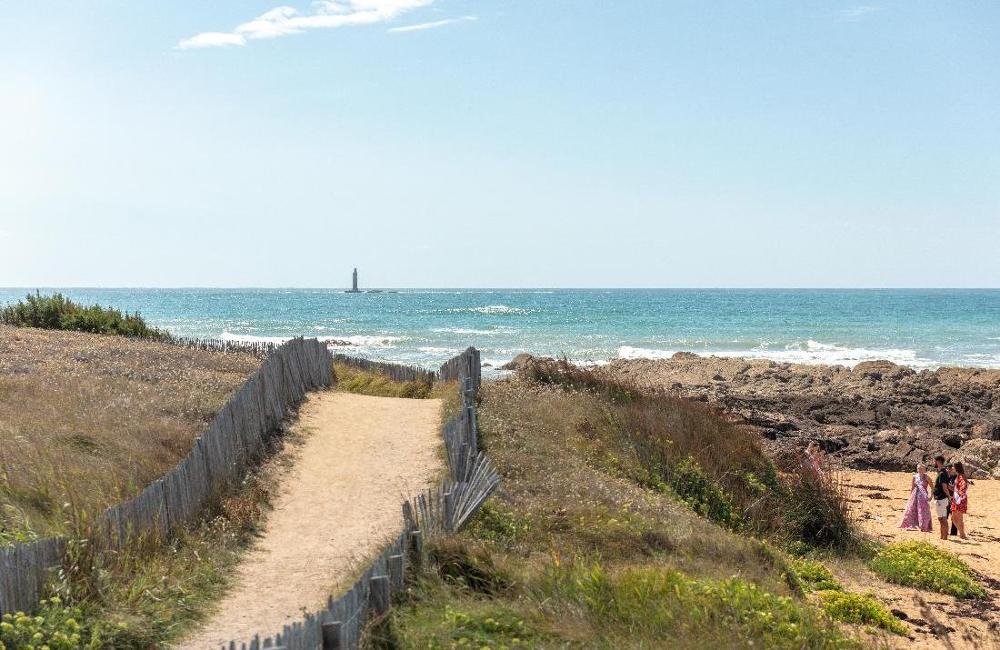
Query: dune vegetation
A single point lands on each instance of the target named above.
(632, 519)
(623, 521)
(57, 312)
(87, 421)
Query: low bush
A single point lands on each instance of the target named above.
(55, 626)
(496, 525)
(814, 576)
(497, 629)
(57, 312)
(860, 609)
(923, 565)
(700, 493)
(452, 624)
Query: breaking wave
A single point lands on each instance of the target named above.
(810, 351)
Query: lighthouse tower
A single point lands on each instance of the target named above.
(354, 283)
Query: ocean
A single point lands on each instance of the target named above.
(916, 327)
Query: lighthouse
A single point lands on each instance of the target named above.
(354, 283)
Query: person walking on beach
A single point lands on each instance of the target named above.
(942, 495)
(814, 458)
(959, 499)
(918, 508)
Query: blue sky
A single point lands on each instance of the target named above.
(517, 143)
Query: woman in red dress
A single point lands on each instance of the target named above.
(960, 499)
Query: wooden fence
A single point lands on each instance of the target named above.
(260, 349)
(218, 459)
(340, 624)
(394, 371)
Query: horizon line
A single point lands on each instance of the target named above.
(499, 288)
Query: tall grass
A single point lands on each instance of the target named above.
(718, 468)
(87, 421)
(57, 312)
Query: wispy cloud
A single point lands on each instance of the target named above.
(858, 11)
(324, 14)
(437, 23)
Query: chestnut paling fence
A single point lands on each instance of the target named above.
(394, 371)
(234, 441)
(472, 479)
(220, 457)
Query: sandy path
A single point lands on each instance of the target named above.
(878, 499)
(337, 505)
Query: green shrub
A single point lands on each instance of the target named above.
(497, 525)
(452, 624)
(701, 493)
(57, 312)
(497, 629)
(814, 576)
(56, 627)
(922, 565)
(859, 609)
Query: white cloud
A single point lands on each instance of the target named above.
(324, 14)
(432, 25)
(211, 39)
(858, 11)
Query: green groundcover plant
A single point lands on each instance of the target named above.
(859, 609)
(922, 565)
(814, 576)
(54, 626)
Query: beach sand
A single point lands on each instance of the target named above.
(878, 499)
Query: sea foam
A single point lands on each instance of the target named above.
(810, 351)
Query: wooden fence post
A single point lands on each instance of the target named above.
(379, 594)
(396, 571)
(332, 635)
(416, 548)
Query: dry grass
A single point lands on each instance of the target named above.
(88, 420)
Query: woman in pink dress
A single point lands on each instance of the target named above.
(918, 508)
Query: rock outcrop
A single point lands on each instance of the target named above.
(875, 415)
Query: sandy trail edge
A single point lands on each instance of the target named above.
(336, 507)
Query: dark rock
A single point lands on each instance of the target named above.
(519, 362)
(952, 439)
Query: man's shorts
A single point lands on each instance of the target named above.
(943, 506)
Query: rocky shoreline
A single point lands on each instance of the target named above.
(874, 415)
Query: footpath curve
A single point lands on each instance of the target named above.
(336, 506)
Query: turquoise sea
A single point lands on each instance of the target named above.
(919, 328)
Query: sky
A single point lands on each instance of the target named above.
(517, 143)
